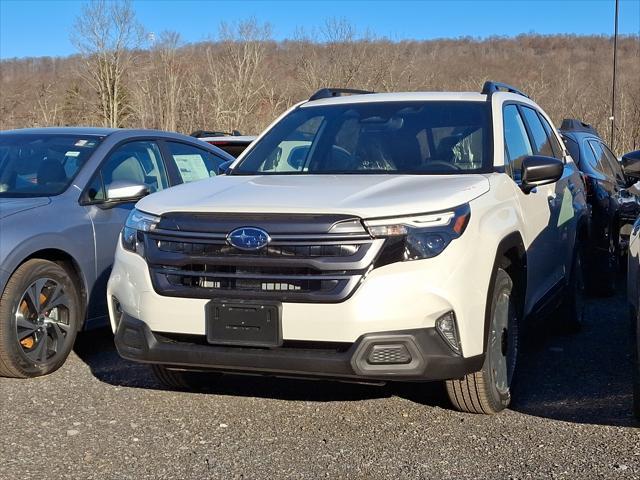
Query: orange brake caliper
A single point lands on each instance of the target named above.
(29, 341)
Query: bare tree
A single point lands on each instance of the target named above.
(106, 35)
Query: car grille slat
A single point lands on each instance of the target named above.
(311, 267)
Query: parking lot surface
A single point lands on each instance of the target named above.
(102, 417)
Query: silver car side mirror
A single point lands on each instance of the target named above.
(124, 190)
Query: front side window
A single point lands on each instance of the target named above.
(134, 163)
(36, 165)
(516, 140)
(193, 163)
(417, 137)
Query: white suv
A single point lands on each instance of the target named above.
(366, 237)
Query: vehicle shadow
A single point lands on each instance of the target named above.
(583, 377)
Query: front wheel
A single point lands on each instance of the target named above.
(40, 312)
(489, 390)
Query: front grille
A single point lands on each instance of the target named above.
(307, 267)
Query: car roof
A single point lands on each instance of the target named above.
(230, 138)
(399, 97)
(97, 131)
(118, 134)
(579, 134)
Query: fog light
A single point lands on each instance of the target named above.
(388, 354)
(448, 330)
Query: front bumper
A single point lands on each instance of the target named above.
(430, 358)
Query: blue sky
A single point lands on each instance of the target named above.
(42, 27)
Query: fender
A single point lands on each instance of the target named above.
(512, 242)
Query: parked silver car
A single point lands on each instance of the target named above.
(64, 196)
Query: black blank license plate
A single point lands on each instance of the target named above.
(249, 324)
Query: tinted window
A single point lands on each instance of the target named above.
(541, 143)
(574, 150)
(138, 163)
(602, 165)
(516, 141)
(555, 144)
(376, 137)
(589, 158)
(41, 165)
(193, 163)
(612, 161)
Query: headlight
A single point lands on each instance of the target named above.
(416, 237)
(133, 232)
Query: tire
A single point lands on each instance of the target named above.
(182, 379)
(40, 314)
(488, 391)
(603, 276)
(572, 308)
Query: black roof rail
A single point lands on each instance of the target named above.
(336, 92)
(575, 125)
(490, 88)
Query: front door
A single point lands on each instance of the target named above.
(137, 162)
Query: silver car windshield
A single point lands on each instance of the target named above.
(36, 165)
(410, 137)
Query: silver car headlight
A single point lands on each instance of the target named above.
(133, 232)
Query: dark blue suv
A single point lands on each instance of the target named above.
(613, 208)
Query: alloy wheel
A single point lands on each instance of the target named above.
(502, 344)
(42, 320)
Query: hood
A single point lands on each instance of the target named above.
(11, 206)
(365, 196)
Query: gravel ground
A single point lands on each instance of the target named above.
(102, 417)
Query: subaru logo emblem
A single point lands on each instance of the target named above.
(248, 238)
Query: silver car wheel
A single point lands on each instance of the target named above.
(42, 320)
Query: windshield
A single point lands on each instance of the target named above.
(436, 137)
(36, 165)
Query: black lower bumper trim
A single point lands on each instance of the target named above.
(432, 358)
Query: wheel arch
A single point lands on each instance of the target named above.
(511, 256)
(69, 263)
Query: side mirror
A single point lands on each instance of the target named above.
(122, 190)
(538, 170)
(224, 167)
(631, 164)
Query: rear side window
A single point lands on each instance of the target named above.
(613, 162)
(516, 141)
(555, 144)
(193, 163)
(539, 136)
(589, 158)
(603, 165)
